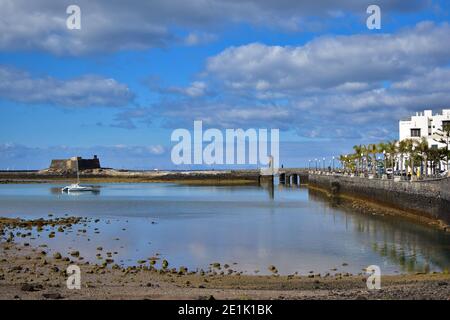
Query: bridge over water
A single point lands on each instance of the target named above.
(293, 176)
(288, 176)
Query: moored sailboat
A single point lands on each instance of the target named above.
(75, 187)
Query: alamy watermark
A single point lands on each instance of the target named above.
(73, 21)
(374, 280)
(374, 20)
(212, 147)
(74, 280)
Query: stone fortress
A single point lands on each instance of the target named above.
(72, 163)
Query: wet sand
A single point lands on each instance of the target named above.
(28, 272)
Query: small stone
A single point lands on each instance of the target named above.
(273, 269)
(54, 296)
(75, 253)
(30, 288)
(183, 270)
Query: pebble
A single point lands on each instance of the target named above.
(75, 253)
(54, 296)
(273, 269)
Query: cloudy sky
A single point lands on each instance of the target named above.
(139, 69)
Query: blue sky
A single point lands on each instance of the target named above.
(137, 70)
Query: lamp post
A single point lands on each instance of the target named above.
(378, 169)
(384, 155)
(323, 164)
(333, 163)
(309, 164)
(316, 164)
(362, 162)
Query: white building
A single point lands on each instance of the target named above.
(425, 124)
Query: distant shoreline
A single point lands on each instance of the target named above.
(200, 177)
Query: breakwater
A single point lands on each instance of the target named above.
(211, 177)
(428, 199)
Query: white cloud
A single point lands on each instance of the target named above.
(197, 88)
(340, 62)
(88, 90)
(193, 39)
(193, 90)
(156, 149)
(355, 86)
(118, 25)
(436, 80)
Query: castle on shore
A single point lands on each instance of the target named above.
(74, 162)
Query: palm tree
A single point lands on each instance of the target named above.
(443, 136)
(423, 150)
(373, 150)
(358, 151)
(352, 162)
(343, 160)
(365, 154)
(383, 148)
(392, 150)
(402, 149)
(435, 157)
(410, 149)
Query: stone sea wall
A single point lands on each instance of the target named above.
(429, 199)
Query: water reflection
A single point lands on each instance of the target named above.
(291, 227)
(413, 247)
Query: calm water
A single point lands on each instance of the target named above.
(293, 229)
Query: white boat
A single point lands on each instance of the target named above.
(75, 187)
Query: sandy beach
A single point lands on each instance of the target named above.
(25, 273)
(28, 272)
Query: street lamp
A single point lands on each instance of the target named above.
(333, 163)
(362, 162)
(378, 167)
(316, 164)
(323, 163)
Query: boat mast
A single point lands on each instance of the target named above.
(78, 173)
